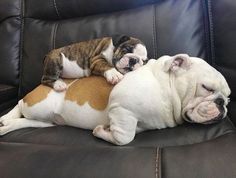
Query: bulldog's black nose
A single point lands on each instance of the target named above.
(132, 61)
(219, 101)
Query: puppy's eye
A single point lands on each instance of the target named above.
(208, 89)
(127, 49)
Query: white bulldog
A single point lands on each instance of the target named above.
(161, 94)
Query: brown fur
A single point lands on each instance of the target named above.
(94, 90)
(39, 93)
(88, 55)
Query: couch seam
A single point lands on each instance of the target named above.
(206, 34)
(157, 163)
(21, 47)
(154, 33)
(54, 36)
(210, 18)
(55, 6)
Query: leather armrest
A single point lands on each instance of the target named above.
(8, 96)
(215, 158)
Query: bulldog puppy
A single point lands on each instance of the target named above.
(161, 94)
(110, 57)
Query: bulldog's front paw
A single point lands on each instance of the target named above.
(100, 131)
(59, 86)
(113, 76)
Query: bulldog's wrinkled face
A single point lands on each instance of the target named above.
(204, 91)
(129, 54)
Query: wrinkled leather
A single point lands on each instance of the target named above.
(214, 158)
(69, 136)
(28, 160)
(8, 96)
(10, 23)
(31, 28)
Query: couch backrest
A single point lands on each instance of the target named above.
(31, 28)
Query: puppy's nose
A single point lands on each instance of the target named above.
(132, 61)
(219, 101)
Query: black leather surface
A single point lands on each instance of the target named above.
(215, 158)
(28, 160)
(8, 97)
(223, 32)
(69, 136)
(61, 9)
(7, 92)
(232, 111)
(10, 24)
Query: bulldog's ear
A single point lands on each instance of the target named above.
(179, 61)
(118, 39)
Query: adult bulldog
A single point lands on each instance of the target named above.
(161, 94)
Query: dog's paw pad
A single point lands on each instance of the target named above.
(113, 76)
(60, 86)
(98, 129)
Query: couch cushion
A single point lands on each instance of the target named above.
(37, 161)
(10, 23)
(8, 96)
(64, 135)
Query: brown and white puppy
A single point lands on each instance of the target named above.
(163, 93)
(110, 57)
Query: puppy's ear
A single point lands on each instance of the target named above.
(179, 61)
(118, 39)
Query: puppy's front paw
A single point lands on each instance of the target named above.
(59, 86)
(113, 76)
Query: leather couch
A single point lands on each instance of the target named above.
(31, 28)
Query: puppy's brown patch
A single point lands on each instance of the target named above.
(40, 93)
(94, 90)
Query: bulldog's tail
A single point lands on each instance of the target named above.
(14, 113)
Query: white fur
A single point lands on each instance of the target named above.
(108, 53)
(52, 110)
(72, 70)
(140, 50)
(59, 85)
(113, 76)
(82, 116)
(151, 97)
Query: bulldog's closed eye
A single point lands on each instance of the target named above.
(208, 89)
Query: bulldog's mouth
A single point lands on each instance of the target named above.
(211, 121)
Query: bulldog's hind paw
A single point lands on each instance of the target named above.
(5, 126)
(113, 76)
(59, 86)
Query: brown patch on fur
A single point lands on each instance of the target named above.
(94, 90)
(40, 93)
(37, 95)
